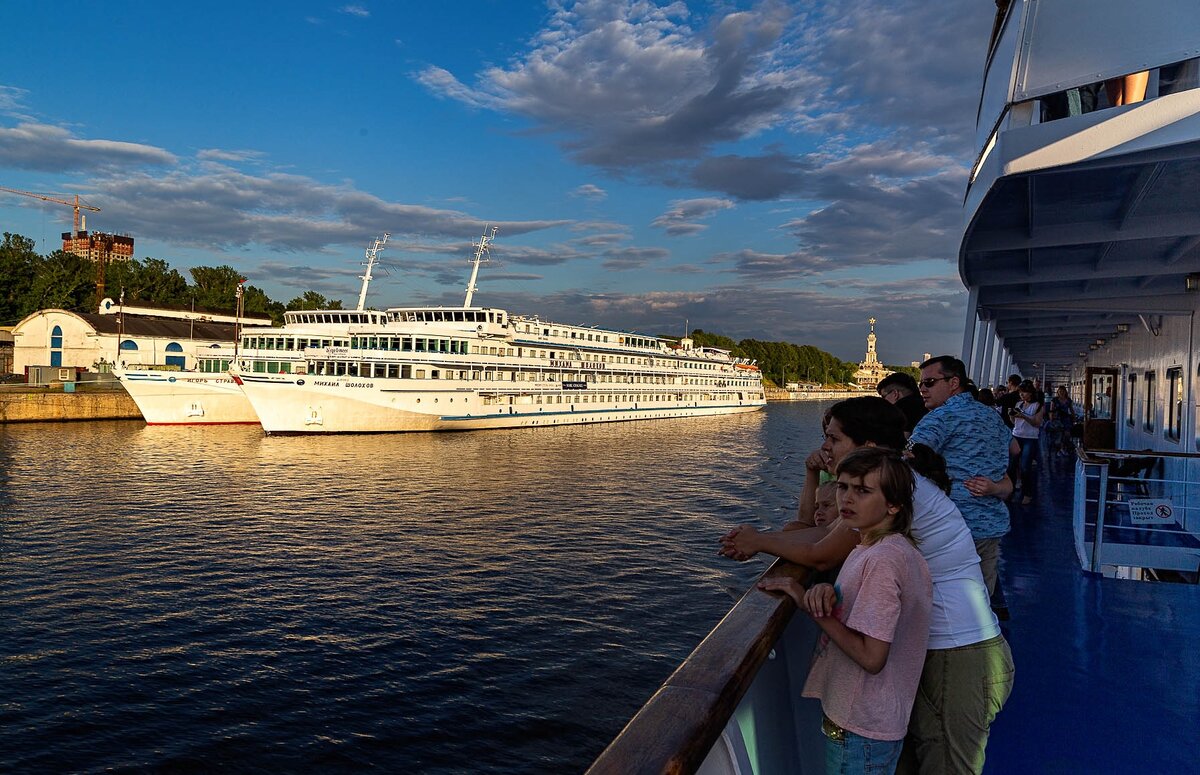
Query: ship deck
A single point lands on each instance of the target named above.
(1108, 670)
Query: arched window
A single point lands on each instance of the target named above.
(56, 343)
(129, 344)
(176, 360)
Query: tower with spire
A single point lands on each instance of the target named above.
(870, 370)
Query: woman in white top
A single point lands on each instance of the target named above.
(1027, 417)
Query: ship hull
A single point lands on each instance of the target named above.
(290, 405)
(187, 398)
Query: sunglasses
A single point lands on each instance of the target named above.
(928, 383)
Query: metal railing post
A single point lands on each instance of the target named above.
(1098, 538)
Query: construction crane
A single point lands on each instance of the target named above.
(77, 205)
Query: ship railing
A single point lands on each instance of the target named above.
(1136, 509)
(734, 705)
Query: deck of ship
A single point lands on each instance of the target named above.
(1108, 670)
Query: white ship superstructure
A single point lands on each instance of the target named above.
(468, 368)
(443, 368)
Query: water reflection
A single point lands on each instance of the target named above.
(504, 598)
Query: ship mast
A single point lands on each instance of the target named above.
(372, 257)
(482, 254)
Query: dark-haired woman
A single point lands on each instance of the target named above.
(968, 671)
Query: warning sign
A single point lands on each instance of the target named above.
(1145, 511)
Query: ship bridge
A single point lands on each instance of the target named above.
(1081, 215)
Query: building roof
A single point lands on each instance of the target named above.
(163, 328)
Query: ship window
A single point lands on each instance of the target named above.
(1174, 425)
(420, 345)
(1150, 407)
(129, 345)
(419, 374)
(406, 372)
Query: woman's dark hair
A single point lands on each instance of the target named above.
(986, 397)
(895, 481)
(870, 419)
(930, 465)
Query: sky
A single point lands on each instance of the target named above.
(766, 170)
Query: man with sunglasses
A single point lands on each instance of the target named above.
(974, 441)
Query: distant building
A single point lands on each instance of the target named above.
(98, 246)
(870, 370)
(129, 335)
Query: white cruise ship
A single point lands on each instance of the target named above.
(208, 395)
(469, 368)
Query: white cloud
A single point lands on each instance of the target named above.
(589, 191)
(682, 216)
(49, 148)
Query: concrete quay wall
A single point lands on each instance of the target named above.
(777, 394)
(49, 405)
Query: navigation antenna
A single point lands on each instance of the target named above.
(482, 255)
(372, 257)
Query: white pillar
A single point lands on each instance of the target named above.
(969, 327)
(989, 348)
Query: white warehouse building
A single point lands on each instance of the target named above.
(128, 335)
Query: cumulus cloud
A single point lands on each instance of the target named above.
(631, 84)
(224, 208)
(589, 191)
(221, 155)
(622, 259)
(46, 148)
(641, 89)
(682, 216)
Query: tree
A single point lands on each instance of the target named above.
(215, 287)
(313, 300)
(64, 281)
(19, 263)
(150, 282)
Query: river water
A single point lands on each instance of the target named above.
(190, 599)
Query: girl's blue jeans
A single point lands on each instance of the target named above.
(854, 754)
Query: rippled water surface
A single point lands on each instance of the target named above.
(189, 599)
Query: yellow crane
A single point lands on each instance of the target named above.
(77, 205)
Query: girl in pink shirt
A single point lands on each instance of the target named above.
(875, 621)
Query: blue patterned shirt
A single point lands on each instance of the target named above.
(974, 441)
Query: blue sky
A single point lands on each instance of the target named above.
(767, 170)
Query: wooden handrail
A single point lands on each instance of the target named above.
(678, 726)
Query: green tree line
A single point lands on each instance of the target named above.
(30, 282)
(783, 362)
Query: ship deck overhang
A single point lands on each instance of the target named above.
(1080, 225)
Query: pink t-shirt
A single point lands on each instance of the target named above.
(886, 594)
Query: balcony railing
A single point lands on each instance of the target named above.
(1135, 509)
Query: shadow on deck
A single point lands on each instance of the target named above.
(1108, 670)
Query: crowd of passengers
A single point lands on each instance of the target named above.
(906, 495)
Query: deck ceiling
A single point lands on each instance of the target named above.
(1062, 257)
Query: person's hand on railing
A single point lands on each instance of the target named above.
(788, 586)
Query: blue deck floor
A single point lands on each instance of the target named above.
(1108, 671)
